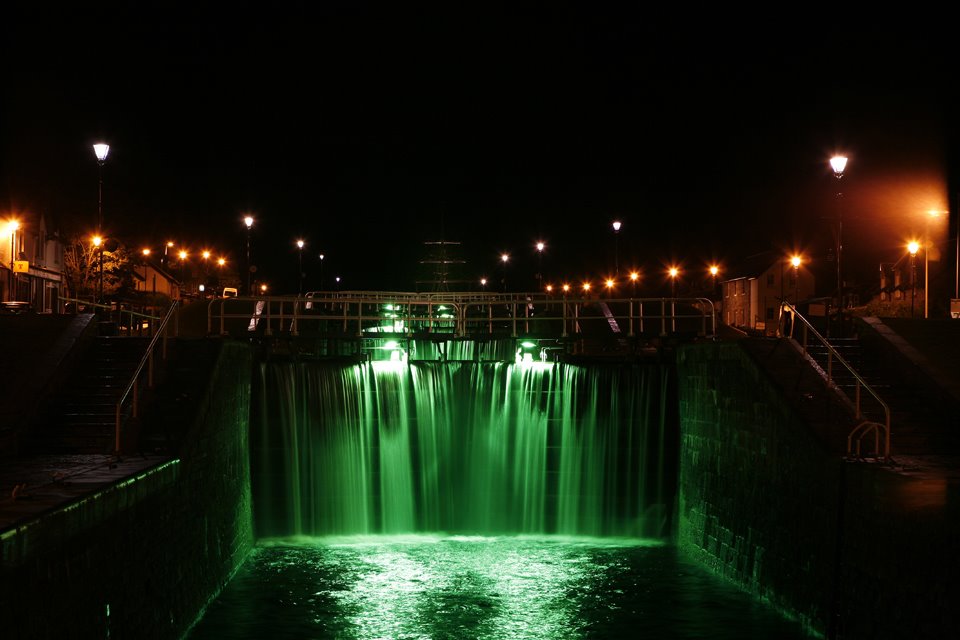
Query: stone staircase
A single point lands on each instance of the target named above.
(81, 416)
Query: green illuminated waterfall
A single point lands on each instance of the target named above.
(462, 447)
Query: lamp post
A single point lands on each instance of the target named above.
(504, 258)
(146, 257)
(913, 247)
(300, 267)
(12, 227)
(483, 284)
(933, 213)
(839, 164)
(540, 247)
(673, 273)
(321, 271)
(795, 261)
(248, 221)
(634, 276)
(98, 245)
(616, 247)
(714, 272)
(100, 150)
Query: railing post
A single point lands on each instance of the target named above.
(630, 330)
(360, 319)
(563, 314)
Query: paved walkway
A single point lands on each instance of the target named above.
(33, 486)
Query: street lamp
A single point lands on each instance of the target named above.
(540, 247)
(248, 221)
(98, 245)
(616, 247)
(796, 261)
(100, 150)
(483, 284)
(166, 248)
(300, 266)
(839, 163)
(321, 271)
(933, 213)
(12, 227)
(634, 276)
(714, 272)
(504, 258)
(913, 247)
(673, 273)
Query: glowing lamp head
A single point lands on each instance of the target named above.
(549, 288)
(609, 283)
(248, 221)
(263, 287)
(299, 244)
(634, 276)
(169, 244)
(146, 252)
(586, 286)
(183, 255)
(504, 257)
(616, 226)
(540, 247)
(206, 255)
(101, 150)
(838, 163)
(483, 282)
(714, 270)
(913, 247)
(566, 288)
(12, 226)
(221, 261)
(674, 272)
(795, 261)
(97, 241)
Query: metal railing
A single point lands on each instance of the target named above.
(472, 314)
(791, 318)
(137, 322)
(131, 392)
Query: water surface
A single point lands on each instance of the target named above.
(482, 587)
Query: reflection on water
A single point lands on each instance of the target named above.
(481, 587)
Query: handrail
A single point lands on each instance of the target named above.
(465, 314)
(109, 308)
(863, 427)
(133, 384)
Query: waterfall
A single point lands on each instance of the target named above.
(462, 447)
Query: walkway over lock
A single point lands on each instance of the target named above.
(468, 315)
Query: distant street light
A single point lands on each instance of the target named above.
(98, 244)
(337, 279)
(913, 247)
(483, 284)
(674, 272)
(321, 271)
(933, 213)
(634, 276)
(166, 248)
(540, 248)
(504, 258)
(248, 221)
(300, 266)
(616, 247)
(796, 261)
(12, 227)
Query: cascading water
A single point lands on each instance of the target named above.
(462, 447)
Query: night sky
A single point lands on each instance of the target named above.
(368, 132)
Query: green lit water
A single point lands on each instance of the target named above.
(498, 588)
(473, 448)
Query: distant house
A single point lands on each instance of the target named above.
(32, 264)
(151, 278)
(752, 296)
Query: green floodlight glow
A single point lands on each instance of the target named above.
(442, 308)
(388, 307)
(526, 344)
(390, 344)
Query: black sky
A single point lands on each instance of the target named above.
(368, 132)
